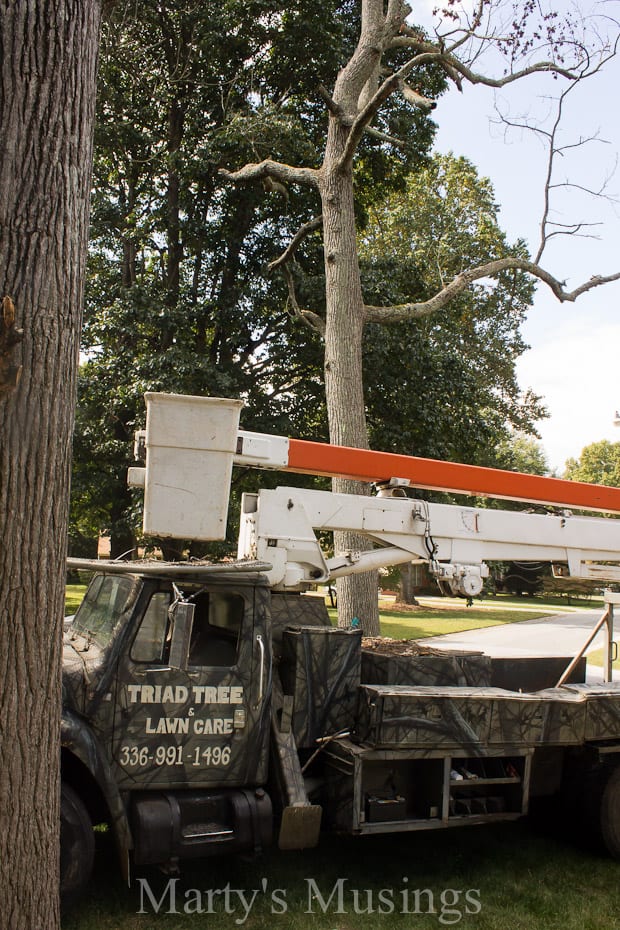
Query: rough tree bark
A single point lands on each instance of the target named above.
(406, 588)
(344, 391)
(48, 52)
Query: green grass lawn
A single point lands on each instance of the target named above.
(73, 597)
(552, 603)
(436, 615)
(437, 621)
(597, 658)
(513, 876)
(399, 626)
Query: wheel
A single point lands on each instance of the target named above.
(610, 813)
(77, 843)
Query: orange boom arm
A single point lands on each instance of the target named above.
(315, 458)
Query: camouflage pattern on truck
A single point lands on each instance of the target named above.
(602, 710)
(320, 668)
(391, 716)
(202, 722)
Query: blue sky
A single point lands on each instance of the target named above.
(574, 357)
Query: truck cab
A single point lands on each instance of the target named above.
(166, 687)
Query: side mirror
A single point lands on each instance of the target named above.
(182, 615)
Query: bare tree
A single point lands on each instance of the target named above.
(48, 54)
(557, 149)
(375, 72)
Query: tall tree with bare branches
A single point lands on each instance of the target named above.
(391, 60)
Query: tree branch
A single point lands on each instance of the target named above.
(299, 236)
(271, 169)
(386, 89)
(554, 149)
(311, 319)
(427, 53)
(414, 97)
(473, 77)
(396, 14)
(369, 130)
(446, 58)
(330, 103)
(460, 282)
(384, 137)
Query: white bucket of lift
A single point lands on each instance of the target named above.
(190, 444)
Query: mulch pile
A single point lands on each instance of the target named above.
(395, 647)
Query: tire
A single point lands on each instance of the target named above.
(77, 844)
(610, 813)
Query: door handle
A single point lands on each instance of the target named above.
(261, 679)
(143, 672)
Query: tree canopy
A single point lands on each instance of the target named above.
(177, 298)
(444, 386)
(599, 463)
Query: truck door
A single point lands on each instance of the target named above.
(193, 690)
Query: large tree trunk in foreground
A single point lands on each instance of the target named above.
(48, 51)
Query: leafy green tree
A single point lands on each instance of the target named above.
(444, 386)
(599, 463)
(177, 299)
(522, 453)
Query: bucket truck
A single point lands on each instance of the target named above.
(213, 708)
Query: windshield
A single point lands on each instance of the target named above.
(104, 602)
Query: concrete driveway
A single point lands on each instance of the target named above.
(563, 634)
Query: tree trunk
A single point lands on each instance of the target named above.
(130, 248)
(344, 322)
(176, 120)
(406, 591)
(48, 52)
(358, 594)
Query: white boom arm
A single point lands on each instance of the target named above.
(278, 527)
(192, 443)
